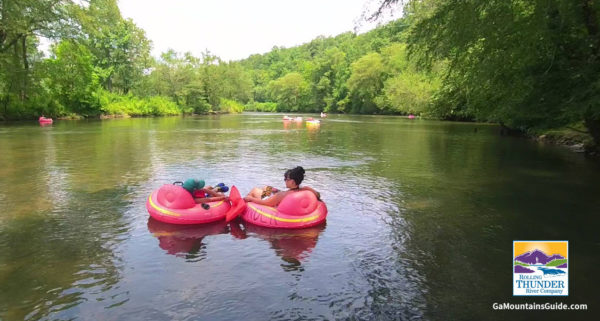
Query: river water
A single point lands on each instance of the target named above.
(422, 216)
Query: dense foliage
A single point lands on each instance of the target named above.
(527, 64)
(369, 74)
(100, 63)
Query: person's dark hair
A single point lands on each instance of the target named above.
(297, 174)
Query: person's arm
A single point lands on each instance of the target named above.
(211, 192)
(210, 199)
(199, 200)
(271, 201)
(306, 188)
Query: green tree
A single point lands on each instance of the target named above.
(260, 81)
(74, 82)
(237, 84)
(409, 93)
(366, 83)
(211, 77)
(409, 89)
(529, 65)
(290, 92)
(178, 77)
(329, 76)
(118, 45)
(21, 22)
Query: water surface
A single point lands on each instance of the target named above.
(422, 215)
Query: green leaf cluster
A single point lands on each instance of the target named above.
(93, 49)
(530, 65)
(269, 107)
(369, 73)
(129, 105)
(100, 64)
(231, 106)
(198, 85)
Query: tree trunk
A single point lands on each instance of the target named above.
(17, 78)
(3, 32)
(591, 23)
(24, 44)
(591, 119)
(5, 100)
(25, 68)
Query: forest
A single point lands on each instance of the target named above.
(529, 65)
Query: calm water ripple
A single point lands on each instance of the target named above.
(422, 215)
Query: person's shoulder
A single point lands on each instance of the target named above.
(281, 195)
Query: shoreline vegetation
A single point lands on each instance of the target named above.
(434, 62)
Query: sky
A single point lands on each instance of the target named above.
(236, 29)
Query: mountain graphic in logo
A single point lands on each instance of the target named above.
(537, 257)
(531, 261)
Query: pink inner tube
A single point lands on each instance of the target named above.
(173, 204)
(297, 210)
(45, 120)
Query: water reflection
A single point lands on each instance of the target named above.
(55, 260)
(290, 124)
(313, 125)
(421, 219)
(293, 246)
(313, 130)
(184, 240)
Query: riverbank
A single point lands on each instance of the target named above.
(103, 116)
(115, 116)
(574, 138)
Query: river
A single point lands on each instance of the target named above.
(422, 216)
